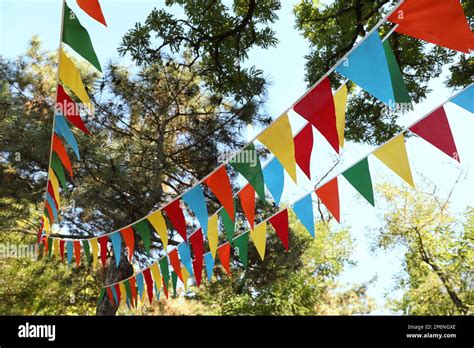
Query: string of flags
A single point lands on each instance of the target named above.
(76, 37)
(371, 65)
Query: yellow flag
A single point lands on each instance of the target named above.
(156, 275)
(46, 225)
(279, 140)
(259, 237)
(56, 248)
(212, 235)
(394, 155)
(158, 222)
(340, 103)
(95, 252)
(123, 293)
(72, 78)
(185, 275)
(55, 183)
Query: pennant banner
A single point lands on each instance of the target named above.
(359, 177)
(274, 179)
(93, 9)
(465, 99)
(304, 148)
(72, 78)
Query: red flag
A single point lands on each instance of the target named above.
(219, 184)
(133, 288)
(61, 248)
(441, 22)
(247, 201)
(77, 252)
(60, 150)
(329, 195)
(110, 295)
(70, 109)
(435, 129)
(176, 216)
(103, 249)
(303, 149)
(197, 244)
(129, 239)
(224, 255)
(165, 288)
(149, 283)
(175, 262)
(93, 9)
(117, 291)
(318, 108)
(280, 224)
(51, 193)
(50, 213)
(197, 270)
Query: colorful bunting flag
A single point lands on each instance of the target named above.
(259, 237)
(58, 170)
(149, 284)
(303, 149)
(317, 107)
(247, 201)
(175, 262)
(175, 214)
(77, 252)
(274, 179)
(194, 198)
(440, 22)
(241, 247)
(465, 99)
(400, 90)
(165, 273)
(224, 255)
(185, 274)
(139, 279)
(103, 249)
(61, 248)
(95, 252)
(77, 37)
(304, 211)
(159, 224)
(128, 236)
(197, 244)
(69, 109)
(394, 155)
(367, 66)
(329, 195)
(143, 230)
(280, 224)
(156, 276)
(212, 234)
(54, 182)
(72, 78)
(61, 127)
(278, 138)
(87, 252)
(209, 261)
(340, 104)
(61, 152)
(93, 9)
(219, 183)
(229, 224)
(185, 256)
(116, 246)
(359, 177)
(174, 281)
(69, 247)
(197, 270)
(56, 248)
(51, 203)
(435, 129)
(248, 164)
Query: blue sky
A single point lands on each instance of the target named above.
(284, 66)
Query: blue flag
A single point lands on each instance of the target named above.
(209, 261)
(367, 67)
(61, 127)
(194, 198)
(116, 245)
(139, 279)
(185, 255)
(465, 99)
(304, 211)
(114, 293)
(274, 179)
(69, 251)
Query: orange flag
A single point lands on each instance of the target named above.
(92, 8)
(219, 184)
(224, 255)
(329, 195)
(441, 22)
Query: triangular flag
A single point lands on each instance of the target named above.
(61, 249)
(77, 252)
(60, 150)
(103, 249)
(87, 252)
(440, 22)
(329, 195)
(92, 8)
(112, 297)
(280, 224)
(303, 149)
(139, 279)
(212, 234)
(304, 211)
(95, 252)
(219, 183)
(185, 256)
(52, 194)
(185, 274)
(58, 170)
(248, 164)
(54, 182)
(367, 66)
(69, 248)
(116, 246)
(435, 129)
(175, 214)
(175, 262)
(465, 99)
(340, 103)
(259, 237)
(149, 283)
(56, 249)
(229, 224)
(61, 127)
(209, 261)
(118, 293)
(394, 155)
(400, 90)
(123, 292)
(165, 272)
(72, 78)
(274, 179)
(77, 37)
(241, 247)
(247, 201)
(197, 244)
(52, 204)
(197, 270)
(224, 255)
(69, 109)
(194, 198)
(159, 224)
(143, 230)
(49, 213)
(156, 276)
(318, 108)
(359, 177)
(278, 138)
(129, 240)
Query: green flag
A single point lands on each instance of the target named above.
(165, 272)
(399, 89)
(144, 231)
(248, 164)
(174, 281)
(359, 177)
(128, 290)
(85, 246)
(77, 37)
(50, 247)
(229, 225)
(241, 247)
(101, 296)
(58, 170)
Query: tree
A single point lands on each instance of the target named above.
(439, 252)
(333, 29)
